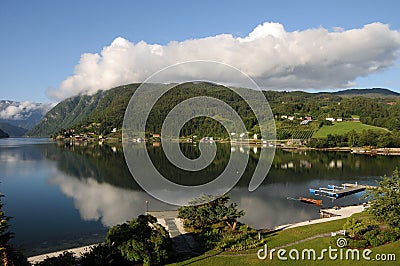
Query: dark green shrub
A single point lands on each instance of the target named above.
(102, 255)
(355, 227)
(395, 233)
(362, 243)
(376, 237)
(386, 236)
(141, 240)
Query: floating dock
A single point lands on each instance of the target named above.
(336, 192)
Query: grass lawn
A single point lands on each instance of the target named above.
(344, 127)
(322, 243)
(302, 232)
(249, 257)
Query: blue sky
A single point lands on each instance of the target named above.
(42, 41)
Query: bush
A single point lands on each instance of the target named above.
(102, 255)
(141, 240)
(227, 240)
(395, 233)
(378, 237)
(385, 200)
(362, 243)
(355, 227)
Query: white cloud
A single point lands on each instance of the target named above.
(22, 110)
(275, 58)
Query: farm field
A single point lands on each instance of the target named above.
(293, 130)
(344, 127)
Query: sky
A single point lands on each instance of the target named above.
(51, 50)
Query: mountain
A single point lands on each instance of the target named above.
(370, 93)
(3, 134)
(12, 131)
(85, 108)
(105, 110)
(102, 112)
(22, 114)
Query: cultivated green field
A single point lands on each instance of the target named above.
(344, 127)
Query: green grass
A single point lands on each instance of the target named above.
(322, 243)
(341, 128)
(249, 257)
(302, 232)
(317, 244)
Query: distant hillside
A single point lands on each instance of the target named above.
(12, 131)
(3, 134)
(85, 108)
(370, 93)
(107, 108)
(103, 111)
(22, 114)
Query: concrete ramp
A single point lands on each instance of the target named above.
(183, 242)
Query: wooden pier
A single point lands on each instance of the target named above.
(336, 192)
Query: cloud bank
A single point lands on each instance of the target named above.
(273, 57)
(22, 110)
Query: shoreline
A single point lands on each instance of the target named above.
(371, 151)
(78, 252)
(355, 150)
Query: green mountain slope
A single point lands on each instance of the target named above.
(105, 110)
(85, 108)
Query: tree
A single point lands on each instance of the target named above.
(215, 210)
(385, 199)
(384, 140)
(5, 235)
(355, 227)
(352, 138)
(141, 240)
(8, 254)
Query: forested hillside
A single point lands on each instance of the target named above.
(104, 111)
(105, 107)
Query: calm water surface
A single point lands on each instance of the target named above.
(61, 197)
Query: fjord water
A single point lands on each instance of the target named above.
(62, 196)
